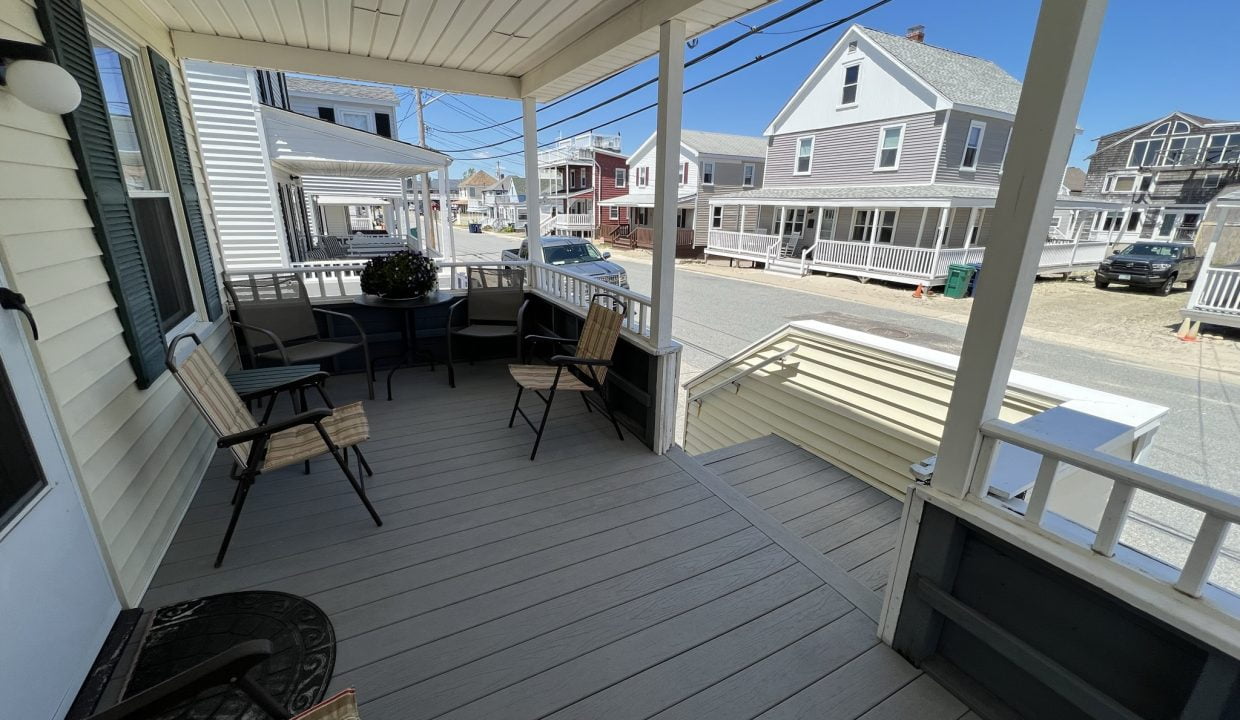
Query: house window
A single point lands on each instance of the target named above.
(1212, 180)
(1147, 182)
(621, 177)
(1179, 127)
(1134, 221)
(1183, 151)
(1223, 148)
(641, 216)
(716, 217)
(613, 213)
(889, 140)
(826, 223)
(862, 225)
(805, 155)
(1144, 153)
(1162, 129)
(708, 173)
(852, 78)
(1120, 183)
(353, 119)
(976, 230)
(154, 218)
(747, 175)
(973, 145)
(886, 226)
(684, 173)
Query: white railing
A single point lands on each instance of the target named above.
(575, 291)
(956, 256)
(736, 244)
(1221, 510)
(546, 224)
(1217, 290)
(735, 380)
(575, 220)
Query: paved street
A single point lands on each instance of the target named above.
(715, 317)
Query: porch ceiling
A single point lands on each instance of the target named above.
(508, 48)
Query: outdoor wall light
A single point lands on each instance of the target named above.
(30, 72)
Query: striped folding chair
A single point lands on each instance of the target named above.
(583, 371)
(259, 447)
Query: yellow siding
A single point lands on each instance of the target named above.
(870, 411)
(139, 454)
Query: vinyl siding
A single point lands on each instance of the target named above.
(869, 411)
(137, 454)
(845, 155)
(606, 186)
(728, 175)
(994, 141)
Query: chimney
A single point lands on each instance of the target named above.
(917, 33)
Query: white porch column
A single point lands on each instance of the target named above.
(666, 172)
(432, 233)
(921, 226)
(533, 226)
(1059, 63)
(417, 214)
(447, 245)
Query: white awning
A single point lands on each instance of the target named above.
(346, 200)
(304, 145)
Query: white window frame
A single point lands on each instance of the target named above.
(1163, 128)
(613, 212)
(974, 232)
(823, 220)
(716, 216)
(867, 224)
(878, 225)
(1175, 127)
(1056, 221)
(1166, 152)
(796, 155)
(878, 152)
(1218, 180)
(1225, 145)
(977, 151)
(367, 116)
(749, 174)
(855, 85)
(1006, 144)
(708, 173)
(621, 177)
(1113, 179)
(1132, 150)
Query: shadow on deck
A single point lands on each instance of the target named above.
(599, 581)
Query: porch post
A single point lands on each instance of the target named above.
(1059, 62)
(921, 226)
(667, 170)
(940, 236)
(416, 221)
(445, 217)
(869, 251)
(533, 226)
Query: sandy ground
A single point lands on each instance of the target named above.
(1134, 326)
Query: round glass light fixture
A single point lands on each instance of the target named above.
(43, 86)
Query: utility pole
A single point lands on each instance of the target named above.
(431, 239)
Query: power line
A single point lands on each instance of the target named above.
(788, 46)
(749, 33)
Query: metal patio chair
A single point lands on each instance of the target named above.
(494, 307)
(259, 447)
(583, 371)
(278, 324)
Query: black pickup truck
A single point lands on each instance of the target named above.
(1157, 265)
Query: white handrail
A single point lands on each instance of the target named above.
(1221, 509)
(736, 378)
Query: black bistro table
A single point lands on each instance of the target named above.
(409, 327)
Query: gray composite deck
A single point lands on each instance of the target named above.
(601, 581)
(850, 521)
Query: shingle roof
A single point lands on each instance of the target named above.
(962, 79)
(1074, 179)
(519, 184)
(479, 178)
(347, 89)
(932, 191)
(714, 143)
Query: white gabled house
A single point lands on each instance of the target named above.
(885, 164)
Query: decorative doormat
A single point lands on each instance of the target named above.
(185, 634)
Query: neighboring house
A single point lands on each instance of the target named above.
(581, 172)
(1215, 296)
(471, 196)
(507, 200)
(1163, 174)
(884, 164)
(1073, 181)
(709, 163)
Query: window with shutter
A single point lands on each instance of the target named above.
(100, 174)
(383, 124)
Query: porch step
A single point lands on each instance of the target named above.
(785, 266)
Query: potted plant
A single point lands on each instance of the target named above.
(404, 275)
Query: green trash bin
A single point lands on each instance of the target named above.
(958, 277)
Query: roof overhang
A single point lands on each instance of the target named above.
(645, 201)
(347, 200)
(304, 145)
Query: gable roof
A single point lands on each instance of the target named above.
(518, 184)
(1135, 130)
(319, 86)
(712, 143)
(478, 178)
(962, 79)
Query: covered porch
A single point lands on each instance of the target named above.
(639, 232)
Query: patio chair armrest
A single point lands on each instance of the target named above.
(549, 338)
(570, 360)
(228, 667)
(452, 311)
(275, 339)
(360, 332)
(308, 417)
(312, 380)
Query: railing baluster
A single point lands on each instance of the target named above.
(1041, 491)
(1113, 518)
(1201, 558)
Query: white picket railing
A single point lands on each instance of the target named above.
(1217, 290)
(575, 221)
(755, 246)
(575, 291)
(1221, 510)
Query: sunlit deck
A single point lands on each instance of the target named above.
(599, 581)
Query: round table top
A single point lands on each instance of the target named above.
(439, 297)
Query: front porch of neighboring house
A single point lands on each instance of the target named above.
(638, 232)
(1172, 223)
(570, 213)
(608, 578)
(912, 242)
(1215, 297)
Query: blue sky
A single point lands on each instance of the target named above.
(1150, 61)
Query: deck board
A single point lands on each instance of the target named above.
(599, 581)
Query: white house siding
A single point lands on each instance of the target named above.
(994, 142)
(138, 454)
(238, 167)
(845, 155)
(648, 161)
(866, 410)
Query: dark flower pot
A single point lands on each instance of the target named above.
(405, 275)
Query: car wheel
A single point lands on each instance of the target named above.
(1165, 288)
(1101, 284)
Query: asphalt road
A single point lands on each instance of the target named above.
(715, 317)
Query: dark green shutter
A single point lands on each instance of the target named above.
(99, 172)
(166, 89)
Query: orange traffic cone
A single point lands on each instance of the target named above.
(918, 292)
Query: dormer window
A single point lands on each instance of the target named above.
(852, 79)
(708, 173)
(747, 175)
